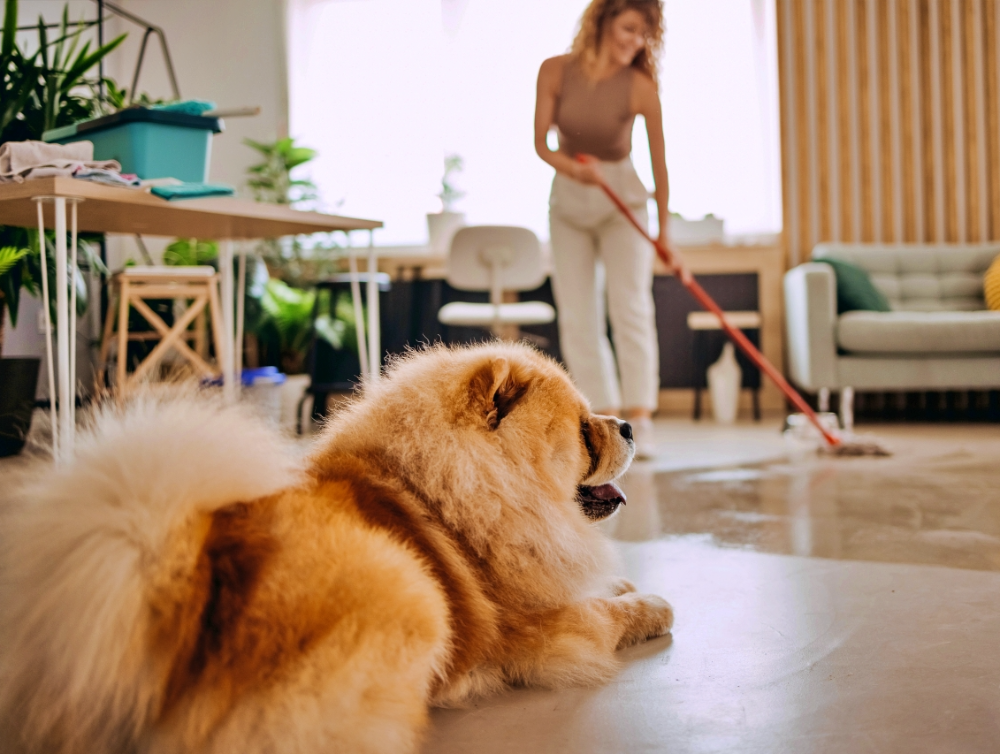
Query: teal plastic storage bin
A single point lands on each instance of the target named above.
(149, 143)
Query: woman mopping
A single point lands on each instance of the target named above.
(592, 96)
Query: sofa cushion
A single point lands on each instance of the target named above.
(919, 332)
(854, 288)
(991, 285)
(921, 277)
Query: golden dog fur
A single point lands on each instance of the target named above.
(188, 584)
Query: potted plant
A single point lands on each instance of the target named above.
(21, 269)
(43, 90)
(441, 226)
(18, 377)
(284, 312)
(287, 323)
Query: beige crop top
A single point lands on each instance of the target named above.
(595, 118)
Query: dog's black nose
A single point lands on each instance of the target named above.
(626, 429)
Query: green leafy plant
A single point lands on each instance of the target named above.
(271, 180)
(21, 268)
(297, 261)
(337, 325)
(453, 164)
(287, 324)
(50, 87)
(45, 89)
(282, 311)
(190, 252)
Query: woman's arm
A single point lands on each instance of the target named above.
(549, 83)
(648, 106)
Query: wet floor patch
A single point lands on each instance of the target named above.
(939, 510)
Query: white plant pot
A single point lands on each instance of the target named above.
(441, 226)
(724, 379)
(708, 230)
(291, 393)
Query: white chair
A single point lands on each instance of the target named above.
(496, 259)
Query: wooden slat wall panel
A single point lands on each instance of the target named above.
(890, 121)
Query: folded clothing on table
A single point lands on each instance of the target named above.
(107, 177)
(23, 160)
(192, 190)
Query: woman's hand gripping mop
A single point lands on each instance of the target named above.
(834, 442)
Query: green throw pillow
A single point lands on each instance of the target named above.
(855, 290)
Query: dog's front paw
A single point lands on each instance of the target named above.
(648, 616)
(622, 586)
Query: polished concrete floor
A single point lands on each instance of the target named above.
(823, 605)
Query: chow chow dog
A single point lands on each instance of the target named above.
(191, 584)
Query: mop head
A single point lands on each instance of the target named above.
(802, 434)
(852, 445)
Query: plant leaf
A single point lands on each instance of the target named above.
(43, 42)
(64, 25)
(9, 256)
(331, 330)
(85, 62)
(11, 287)
(9, 31)
(298, 156)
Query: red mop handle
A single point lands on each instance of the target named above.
(736, 335)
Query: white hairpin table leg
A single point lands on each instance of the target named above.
(241, 290)
(359, 316)
(374, 325)
(228, 367)
(46, 312)
(72, 321)
(63, 334)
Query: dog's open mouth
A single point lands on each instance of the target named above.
(600, 501)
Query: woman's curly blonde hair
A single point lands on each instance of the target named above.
(596, 18)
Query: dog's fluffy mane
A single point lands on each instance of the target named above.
(501, 514)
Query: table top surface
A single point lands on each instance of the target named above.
(707, 258)
(110, 209)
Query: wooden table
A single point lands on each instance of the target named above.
(107, 209)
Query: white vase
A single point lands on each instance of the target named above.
(724, 379)
(441, 226)
(291, 393)
(702, 232)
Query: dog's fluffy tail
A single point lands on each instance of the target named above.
(84, 548)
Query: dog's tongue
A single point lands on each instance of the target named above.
(607, 492)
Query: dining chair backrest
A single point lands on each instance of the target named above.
(495, 258)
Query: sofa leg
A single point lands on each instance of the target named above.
(823, 401)
(847, 409)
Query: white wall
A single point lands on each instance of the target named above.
(231, 52)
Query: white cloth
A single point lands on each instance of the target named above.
(598, 256)
(22, 160)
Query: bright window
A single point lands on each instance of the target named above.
(385, 88)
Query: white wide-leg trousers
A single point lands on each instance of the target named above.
(597, 256)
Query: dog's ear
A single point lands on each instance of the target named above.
(494, 390)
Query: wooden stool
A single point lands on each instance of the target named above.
(700, 323)
(134, 285)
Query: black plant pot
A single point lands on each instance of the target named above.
(18, 382)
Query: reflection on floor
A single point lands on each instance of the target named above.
(936, 501)
(823, 605)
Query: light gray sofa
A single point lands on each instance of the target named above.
(938, 336)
